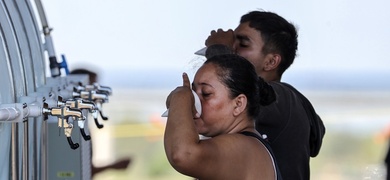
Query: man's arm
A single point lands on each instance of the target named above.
(217, 49)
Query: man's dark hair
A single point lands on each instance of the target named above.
(92, 75)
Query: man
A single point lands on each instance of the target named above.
(293, 128)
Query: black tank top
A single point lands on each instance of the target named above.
(265, 143)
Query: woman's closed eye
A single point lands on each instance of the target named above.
(205, 94)
(243, 45)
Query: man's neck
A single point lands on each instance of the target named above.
(268, 77)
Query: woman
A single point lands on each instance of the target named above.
(230, 93)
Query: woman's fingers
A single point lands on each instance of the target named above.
(186, 81)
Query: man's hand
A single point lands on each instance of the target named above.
(221, 37)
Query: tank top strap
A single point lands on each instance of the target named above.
(269, 149)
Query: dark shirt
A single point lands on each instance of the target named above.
(287, 126)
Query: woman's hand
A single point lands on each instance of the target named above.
(180, 93)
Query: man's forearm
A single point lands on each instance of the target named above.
(217, 49)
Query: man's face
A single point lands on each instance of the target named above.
(249, 44)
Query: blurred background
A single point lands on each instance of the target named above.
(141, 47)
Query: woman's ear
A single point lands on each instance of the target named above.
(240, 103)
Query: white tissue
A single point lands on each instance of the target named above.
(198, 106)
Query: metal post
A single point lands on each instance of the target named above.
(44, 150)
(25, 151)
(14, 151)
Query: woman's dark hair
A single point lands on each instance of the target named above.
(239, 75)
(279, 35)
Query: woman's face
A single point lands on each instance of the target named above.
(217, 106)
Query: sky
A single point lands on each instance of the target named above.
(133, 35)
